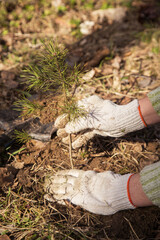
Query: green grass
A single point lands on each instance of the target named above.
(146, 36)
(89, 4)
(3, 17)
(75, 22)
(27, 107)
(106, 5)
(30, 218)
(62, 9)
(21, 137)
(127, 3)
(156, 50)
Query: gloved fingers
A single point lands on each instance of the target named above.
(82, 139)
(61, 121)
(71, 172)
(66, 140)
(62, 179)
(60, 185)
(60, 197)
(79, 124)
(79, 140)
(110, 133)
(86, 121)
(95, 101)
(49, 198)
(62, 189)
(62, 133)
(101, 133)
(92, 100)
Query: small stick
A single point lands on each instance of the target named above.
(70, 151)
(132, 228)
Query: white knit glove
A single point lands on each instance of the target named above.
(103, 118)
(101, 193)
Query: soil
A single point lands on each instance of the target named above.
(138, 69)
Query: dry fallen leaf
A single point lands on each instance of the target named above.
(4, 237)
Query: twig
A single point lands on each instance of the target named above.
(55, 209)
(107, 238)
(101, 154)
(70, 150)
(24, 199)
(131, 228)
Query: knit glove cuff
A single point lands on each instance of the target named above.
(129, 118)
(121, 197)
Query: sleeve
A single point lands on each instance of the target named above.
(154, 97)
(150, 180)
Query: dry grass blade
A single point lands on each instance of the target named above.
(132, 228)
(25, 199)
(20, 235)
(70, 151)
(58, 211)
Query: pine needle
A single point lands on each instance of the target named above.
(70, 151)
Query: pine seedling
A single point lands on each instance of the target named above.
(27, 108)
(21, 136)
(52, 73)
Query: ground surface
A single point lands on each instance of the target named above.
(123, 57)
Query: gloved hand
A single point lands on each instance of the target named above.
(101, 193)
(103, 117)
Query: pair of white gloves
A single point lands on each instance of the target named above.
(101, 193)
